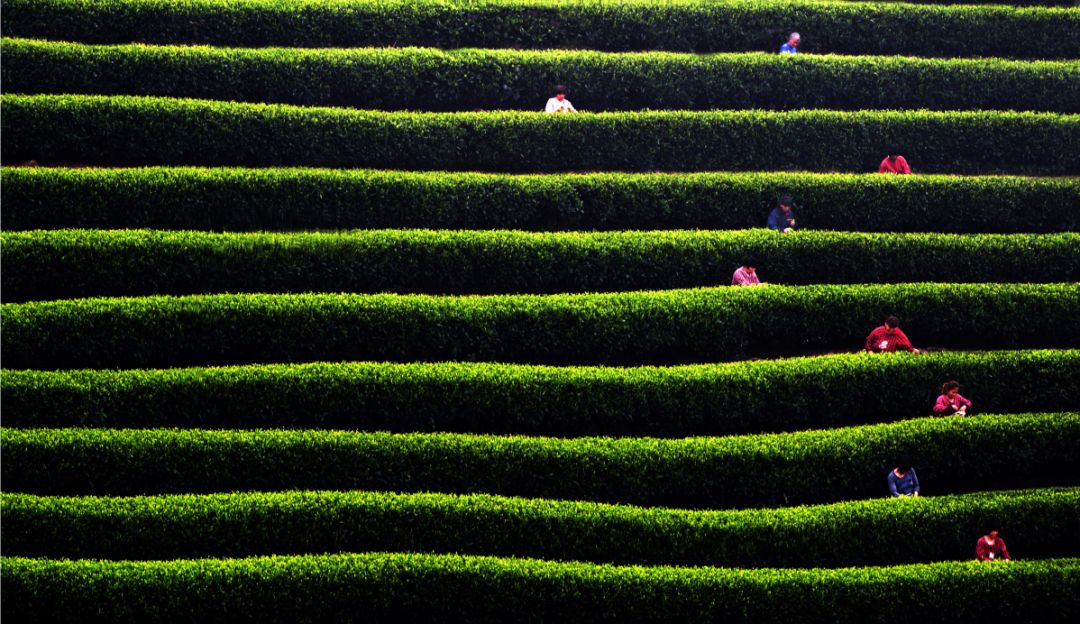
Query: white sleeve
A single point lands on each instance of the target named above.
(552, 106)
(570, 106)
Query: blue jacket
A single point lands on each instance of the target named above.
(905, 485)
(787, 48)
(779, 222)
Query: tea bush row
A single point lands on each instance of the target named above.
(42, 265)
(419, 587)
(129, 130)
(425, 79)
(240, 199)
(1038, 523)
(635, 328)
(683, 25)
(955, 454)
(710, 399)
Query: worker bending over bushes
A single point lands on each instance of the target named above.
(782, 218)
(746, 275)
(990, 547)
(888, 338)
(951, 401)
(894, 163)
(558, 102)
(902, 479)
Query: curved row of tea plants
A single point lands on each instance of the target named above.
(129, 130)
(1018, 3)
(711, 399)
(246, 524)
(240, 199)
(674, 326)
(425, 79)
(681, 25)
(955, 454)
(87, 263)
(421, 587)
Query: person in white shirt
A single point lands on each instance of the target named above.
(559, 103)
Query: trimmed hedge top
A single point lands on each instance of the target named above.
(287, 199)
(82, 263)
(416, 587)
(955, 454)
(425, 79)
(677, 326)
(1048, 3)
(712, 399)
(245, 524)
(124, 130)
(676, 25)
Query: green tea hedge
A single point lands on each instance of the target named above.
(955, 454)
(425, 79)
(414, 587)
(1018, 3)
(657, 327)
(704, 399)
(283, 199)
(680, 25)
(238, 525)
(712, 399)
(81, 263)
(126, 130)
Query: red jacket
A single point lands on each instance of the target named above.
(946, 406)
(884, 339)
(894, 166)
(986, 552)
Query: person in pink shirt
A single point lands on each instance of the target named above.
(889, 338)
(951, 401)
(990, 547)
(746, 275)
(894, 163)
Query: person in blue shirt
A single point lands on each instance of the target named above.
(782, 218)
(902, 479)
(791, 45)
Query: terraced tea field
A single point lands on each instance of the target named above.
(311, 315)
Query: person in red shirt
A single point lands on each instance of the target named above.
(746, 275)
(991, 548)
(894, 163)
(889, 338)
(951, 401)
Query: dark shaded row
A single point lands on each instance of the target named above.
(659, 327)
(127, 130)
(951, 455)
(413, 587)
(1038, 523)
(740, 397)
(709, 399)
(422, 79)
(684, 25)
(43, 265)
(288, 199)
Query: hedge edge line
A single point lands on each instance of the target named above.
(711, 399)
(125, 130)
(261, 199)
(701, 26)
(426, 79)
(64, 264)
(388, 587)
(678, 326)
(1039, 523)
(737, 471)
